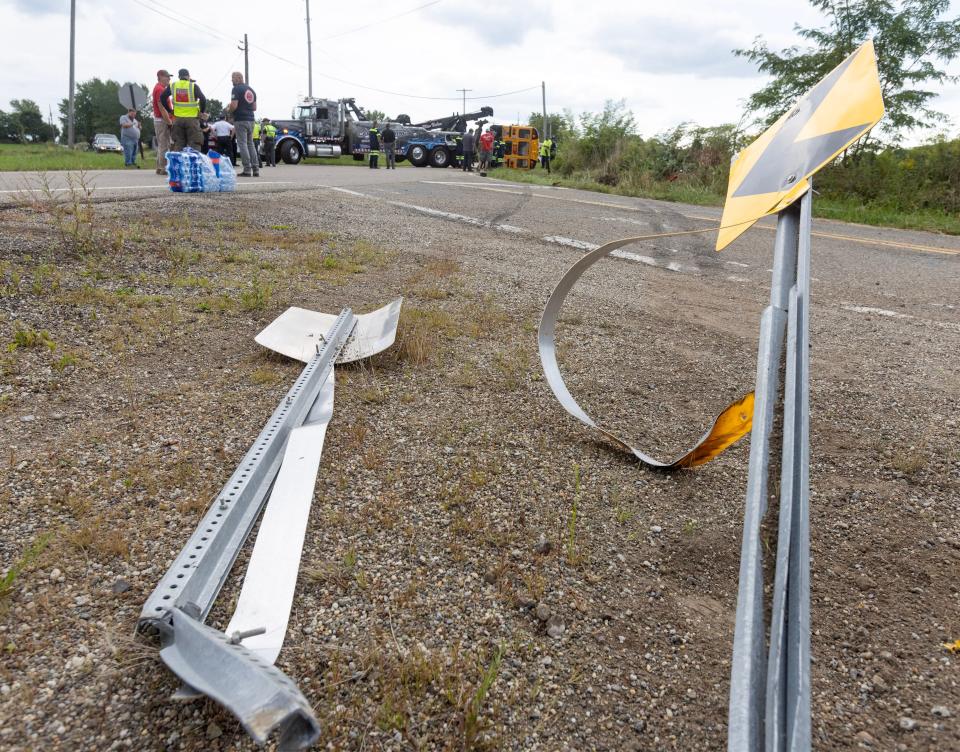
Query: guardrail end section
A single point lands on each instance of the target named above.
(262, 697)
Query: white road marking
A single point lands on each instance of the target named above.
(870, 310)
(735, 278)
(441, 214)
(163, 187)
(570, 242)
(346, 190)
(624, 207)
(737, 263)
(624, 220)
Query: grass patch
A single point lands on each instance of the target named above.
(27, 339)
(54, 157)
(909, 462)
(256, 296)
(420, 332)
(26, 561)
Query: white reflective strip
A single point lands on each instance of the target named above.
(268, 589)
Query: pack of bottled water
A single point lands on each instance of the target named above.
(190, 171)
(226, 175)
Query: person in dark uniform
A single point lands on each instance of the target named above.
(389, 138)
(374, 148)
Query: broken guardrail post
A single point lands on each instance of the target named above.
(210, 662)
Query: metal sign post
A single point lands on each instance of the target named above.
(770, 694)
(236, 668)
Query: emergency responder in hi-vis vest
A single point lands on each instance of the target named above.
(268, 142)
(545, 146)
(184, 100)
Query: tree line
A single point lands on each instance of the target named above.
(914, 45)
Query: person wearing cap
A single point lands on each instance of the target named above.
(184, 100)
(162, 121)
(243, 105)
(268, 142)
(374, 148)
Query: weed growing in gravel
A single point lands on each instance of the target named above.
(65, 361)
(484, 317)
(257, 296)
(471, 715)
(265, 375)
(512, 365)
(101, 537)
(75, 218)
(27, 559)
(909, 462)
(690, 527)
(29, 338)
(419, 332)
(46, 278)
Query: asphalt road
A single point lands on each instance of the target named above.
(869, 271)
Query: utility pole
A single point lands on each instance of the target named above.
(546, 125)
(71, 131)
(464, 110)
(246, 60)
(309, 56)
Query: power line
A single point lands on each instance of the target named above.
(380, 21)
(182, 19)
(195, 23)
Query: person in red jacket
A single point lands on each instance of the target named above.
(486, 149)
(162, 121)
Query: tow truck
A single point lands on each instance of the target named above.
(333, 127)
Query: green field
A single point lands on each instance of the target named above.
(19, 157)
(50, 157)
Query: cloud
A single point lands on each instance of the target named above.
(152, 34)
(41, 7)
(499, 25)
(676, 46)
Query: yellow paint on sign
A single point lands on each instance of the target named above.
(773, 171)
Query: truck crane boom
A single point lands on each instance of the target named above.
(455, 122)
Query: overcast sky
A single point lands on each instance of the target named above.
(671, 62)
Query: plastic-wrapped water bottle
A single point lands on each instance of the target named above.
(228, 176)
(175, 164)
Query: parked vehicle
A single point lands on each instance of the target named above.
(332, 127)
(104, 142)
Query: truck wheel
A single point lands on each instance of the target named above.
(439, 157)
(417, 155)
(290, 152)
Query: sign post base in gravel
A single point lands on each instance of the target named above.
(235, 667)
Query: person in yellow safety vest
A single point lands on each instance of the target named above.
(545, 146)
(256, 139)
(184, 100)
(268, 141)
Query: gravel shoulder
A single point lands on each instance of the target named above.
(480, 572)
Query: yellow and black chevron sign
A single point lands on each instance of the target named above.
(773, 171)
